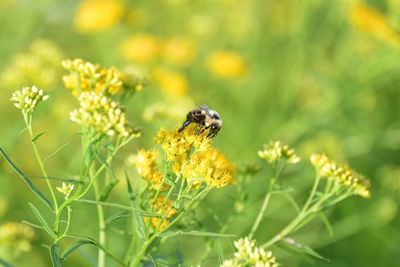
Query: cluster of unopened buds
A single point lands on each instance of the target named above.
(28, 98)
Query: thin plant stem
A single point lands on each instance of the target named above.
(28, 122)
(102, 227)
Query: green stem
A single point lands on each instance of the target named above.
(102, 226)
(28, 122)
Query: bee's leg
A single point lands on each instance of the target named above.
(213, 133)
(184, 125)
(200, 128)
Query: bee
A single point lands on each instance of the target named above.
(206, 118)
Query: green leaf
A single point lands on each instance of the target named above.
(294, 246)
(31, 186)
(55, 152)
(292, 202)
(194, 233)
(220, 252)
(36, 137)
(107, 190)
(33, 225)
(326, 223)
(55, 255)
(87, 241)
(42, 221)
(5, 263)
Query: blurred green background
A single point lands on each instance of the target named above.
(320, 75)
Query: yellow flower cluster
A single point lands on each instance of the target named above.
(343, 175)
(370, 20)
(208, 166)
(146, 165)
(85, 76)
(38, 65)
(102, 115)
(98, 15)
(165, 208)
(15, 238)
(226, 64)
(177, 145)
(274, 151)
(28, 98)
(248, 254)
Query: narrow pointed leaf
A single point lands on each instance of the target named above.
(220, 252)
(36, 137)
(5, 263)
(28, 182)
(294, 246)
(327, 223)
(107, 190)
(194, 233)
(42, 221)
(55, 152)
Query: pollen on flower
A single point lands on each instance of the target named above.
(248, 254)
(102, 115)
(28, 98)
(343, 175)
(274, 151)
(66, 189)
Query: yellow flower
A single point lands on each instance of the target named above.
(38, 65)
(274, 151)
(166, 209)
(142, 48)
(342, 175)
(28, 98)
(367, 19)
(15, 238)
(210, 167)
(176, 145)
(85, 76)
(226, 64)
(66, 189)
(98, 15)
(172, 83)
(102, 115)
(179, 51)
(146, 165)
(248, 254)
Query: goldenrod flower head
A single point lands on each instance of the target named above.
(177, 144)
(210, 167)
(66, 189)
(146, 165)
(179, 51)
(102, 115)
(15, 238)
(141, 48)
(275, 150)
(38, 65)
(98, 15)
(28, 98)
(370, 20)
(226, 64)
(167, 211)
(343, 175)
(172, 83)
(248, 254)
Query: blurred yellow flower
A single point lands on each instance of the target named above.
(142, 48)
(15, 239)
(275, 150)
(226, 64)
(172, 83)
(38, 65)
(98, 15)
(179, 51)
(370, 20)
